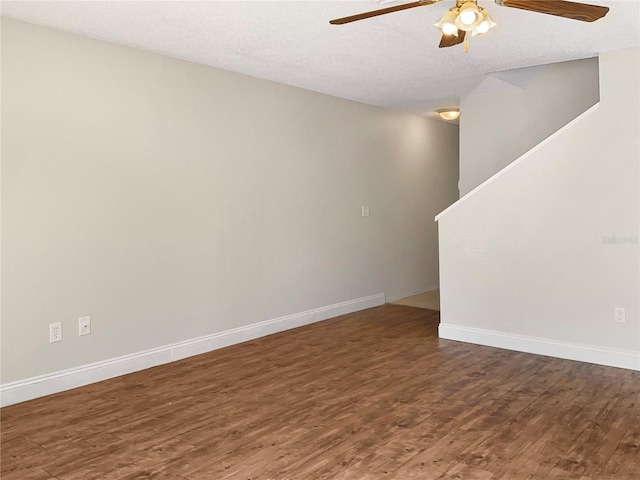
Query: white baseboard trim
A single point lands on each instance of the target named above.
(394, 298)
(628, 359)
(43, 385)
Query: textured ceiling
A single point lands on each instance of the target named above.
(391, 61)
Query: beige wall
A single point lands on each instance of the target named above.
(170, 200)
(497, 128)
(534, 254)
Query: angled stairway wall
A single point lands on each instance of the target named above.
(537, 258)
(496, 128)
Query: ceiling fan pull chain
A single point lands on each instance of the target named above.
(466, 46)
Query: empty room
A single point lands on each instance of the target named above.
(303, 240)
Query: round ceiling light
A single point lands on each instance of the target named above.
(449, 113)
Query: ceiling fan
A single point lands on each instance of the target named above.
(467, 16)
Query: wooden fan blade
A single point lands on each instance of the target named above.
(560, 8)
(451, 40)
(382, 11)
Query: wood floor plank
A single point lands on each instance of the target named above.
(21, 456)
(599, 440)
(625, 460)
(367, 396)
(31, 474)
(145, 458)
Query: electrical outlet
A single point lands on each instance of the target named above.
(55, 332)
(619, 315)
(84, 326)
(365, 210)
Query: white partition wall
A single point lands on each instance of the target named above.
(539, 257)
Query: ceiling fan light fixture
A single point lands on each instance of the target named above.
(449, 113)
(469, 16)
(485, 25)
(448, 23)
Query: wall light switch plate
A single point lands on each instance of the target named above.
(84, 326)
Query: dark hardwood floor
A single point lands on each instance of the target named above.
(367, 396)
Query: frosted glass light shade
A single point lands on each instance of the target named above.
(449, 113)
(467, 17)
(485, 25)
(469, 14)
(448, 23)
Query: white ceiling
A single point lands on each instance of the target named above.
(392, 61)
